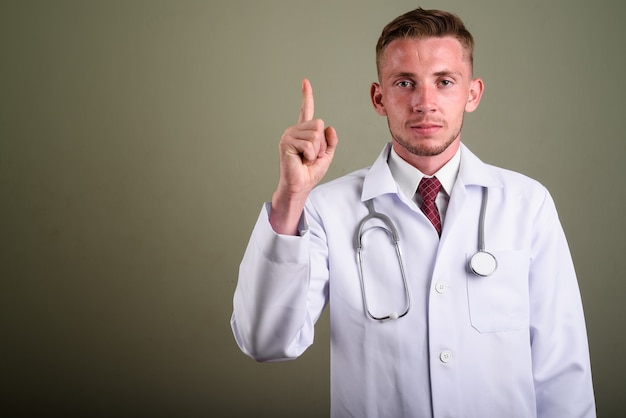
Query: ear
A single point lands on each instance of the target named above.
(475, 93)
(377, 99)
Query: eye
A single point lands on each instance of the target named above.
(404, 84)
(445, 83)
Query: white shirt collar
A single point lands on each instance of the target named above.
(408, 177)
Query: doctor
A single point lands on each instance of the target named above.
(415, 332)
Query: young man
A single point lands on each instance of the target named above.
(419, 326)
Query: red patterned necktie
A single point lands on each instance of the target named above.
(428, 188)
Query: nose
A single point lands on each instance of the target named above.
(424, 99)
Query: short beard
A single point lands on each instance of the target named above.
(423, 150)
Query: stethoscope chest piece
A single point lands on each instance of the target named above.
(483, 263)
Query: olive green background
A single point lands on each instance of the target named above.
(138, 140)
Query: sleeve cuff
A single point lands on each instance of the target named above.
(303, 226)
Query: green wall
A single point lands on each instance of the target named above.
(138, 140)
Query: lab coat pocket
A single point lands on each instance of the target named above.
(499, 302)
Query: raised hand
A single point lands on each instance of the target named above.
(306, 151)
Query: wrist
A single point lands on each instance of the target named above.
(286, 213)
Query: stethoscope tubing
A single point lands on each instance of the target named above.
(395, 238)
(482, 263)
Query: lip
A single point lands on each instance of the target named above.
(426, 128)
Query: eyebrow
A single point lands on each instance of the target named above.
(448, 72)
(403, 74)
(437, 74)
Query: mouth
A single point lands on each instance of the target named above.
(425, 128)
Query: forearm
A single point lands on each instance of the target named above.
(270, 317)
(561, 365)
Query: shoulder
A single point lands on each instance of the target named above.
(515, 180)
(519, 189)
(349, 184)
(337, 201)
(474, 171)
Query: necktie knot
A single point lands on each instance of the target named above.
(428, 189)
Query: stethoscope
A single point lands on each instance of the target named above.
(482, 264)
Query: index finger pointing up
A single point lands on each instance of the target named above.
(307, 108)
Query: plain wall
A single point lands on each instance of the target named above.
(138, 140)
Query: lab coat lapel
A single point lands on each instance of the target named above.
(473, 175)
(472, 171)
(379, 180)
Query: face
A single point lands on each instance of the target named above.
(425, 87)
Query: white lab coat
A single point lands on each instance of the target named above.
(509, 345)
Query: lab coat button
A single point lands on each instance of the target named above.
(441, 287)
(445, 356)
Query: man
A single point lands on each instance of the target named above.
(418, 327)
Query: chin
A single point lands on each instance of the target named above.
(424, 148)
